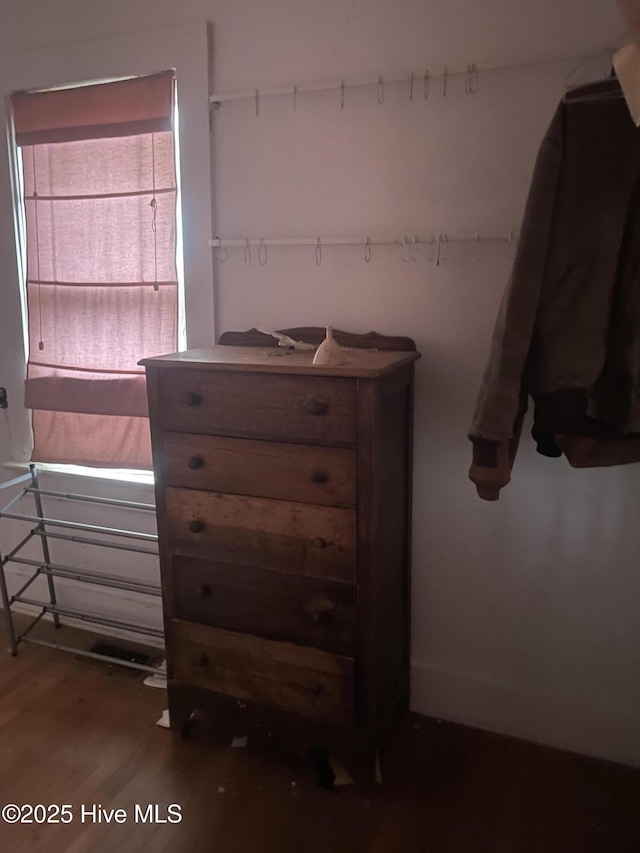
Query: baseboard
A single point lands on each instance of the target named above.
(550, 719)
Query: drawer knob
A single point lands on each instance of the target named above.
(194, 398)
(195, 462)
(319, 477)
(316, 407)
(321, 608)
(196, 526)
(203, 660)
(205, 590)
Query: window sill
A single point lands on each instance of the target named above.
(125, 476)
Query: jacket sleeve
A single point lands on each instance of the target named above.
(502, 399)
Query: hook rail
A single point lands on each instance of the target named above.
(379, 83)
(224, 243)
(471, 74)
(438, 245)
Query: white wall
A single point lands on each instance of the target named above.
(526, 613)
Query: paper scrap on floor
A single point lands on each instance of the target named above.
(164, 720)
(158, 679)
(342, 775)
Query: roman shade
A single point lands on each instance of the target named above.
(100, 213)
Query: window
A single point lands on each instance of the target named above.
(186, 48)
(99, 194)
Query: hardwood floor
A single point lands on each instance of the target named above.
(76, 732)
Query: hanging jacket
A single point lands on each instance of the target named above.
(568, 330)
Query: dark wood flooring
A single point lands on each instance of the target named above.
(75, 732)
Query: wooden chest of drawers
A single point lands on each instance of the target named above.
(283, 494)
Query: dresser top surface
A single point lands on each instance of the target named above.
(360, 363)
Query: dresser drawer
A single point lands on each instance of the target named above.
(308, 611)
(302, 680)
(318, 541)
(269, 469)
(259, 405)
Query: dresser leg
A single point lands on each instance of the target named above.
(181, 714)
(186, 727)
(319, 759)
(360, 756)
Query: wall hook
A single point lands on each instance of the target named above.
(426, 86)
(247, 252)
(445, 77)
(295, 97)
(367, 250)
(380, 90)
(318, 252)
(411, 245)
(443, 249)
(220, 250)
(411, 78)
(342, 94)
(257, 97)
(471, 80)
(262, 253)
(433, 248)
